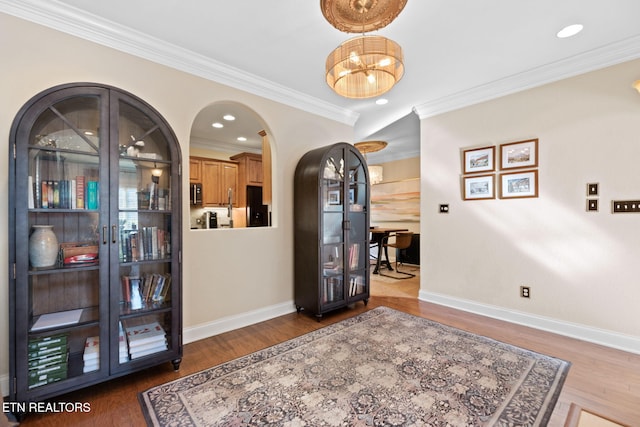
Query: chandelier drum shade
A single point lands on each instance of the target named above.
(365, 66)
(361, 16)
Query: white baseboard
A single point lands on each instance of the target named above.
(604, 337)
(229, 323)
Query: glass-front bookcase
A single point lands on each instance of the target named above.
(95, 240)
(331, 229)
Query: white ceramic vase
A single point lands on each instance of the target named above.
(43, 246)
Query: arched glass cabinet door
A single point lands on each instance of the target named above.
(70, 182)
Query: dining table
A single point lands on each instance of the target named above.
(378, 236)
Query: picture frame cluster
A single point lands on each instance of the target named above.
(518, 176)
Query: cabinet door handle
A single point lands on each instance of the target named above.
(114, 233)
(104, 234)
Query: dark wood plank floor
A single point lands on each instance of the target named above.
(601, 379)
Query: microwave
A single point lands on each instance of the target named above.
(195, 192)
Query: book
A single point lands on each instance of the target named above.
(144, 334)
(44, 191)
(123, 348)
(53, 341)
(47, 376)
(92, 194)
(30, 193)
(148, 351)
(48, 360)
(91, 349)
(80, 197)
(60, 318)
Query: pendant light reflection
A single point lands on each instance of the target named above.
(375, 171)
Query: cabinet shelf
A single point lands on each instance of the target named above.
(148, 308)
(90, 317)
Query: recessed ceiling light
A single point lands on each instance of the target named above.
(381, 101)
(242, 139)
(569, 31)
(217, 125)
(228, 117)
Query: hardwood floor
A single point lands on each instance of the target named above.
(601, 379)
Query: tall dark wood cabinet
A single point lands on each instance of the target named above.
(331, 219)
(94, 240)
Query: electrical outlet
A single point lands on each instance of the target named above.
(619, 206)
(444, 208)
(525, 291)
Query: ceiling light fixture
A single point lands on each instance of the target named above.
(228, 117)
(375, 171)
(361, 16)
(217, 125)
(364, 67)
(569, 31)
(241, 139)
(382, 101)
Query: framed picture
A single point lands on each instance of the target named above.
(521, 154)
(334, 197)
(519, 184)
(479, 187)
(479, 160)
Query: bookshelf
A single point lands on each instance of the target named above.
(331, 233)
(96, 171)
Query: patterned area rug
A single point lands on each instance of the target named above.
(380, 368)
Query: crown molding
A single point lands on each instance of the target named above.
(73, 21)
(605, 56)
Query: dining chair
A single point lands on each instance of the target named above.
(401, 240)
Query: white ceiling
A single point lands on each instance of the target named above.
(457, 52)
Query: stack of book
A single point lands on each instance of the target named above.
(48, 360)
(78, 193)
(150, 288)
(146, 339)
(91, 355)
(146, 243)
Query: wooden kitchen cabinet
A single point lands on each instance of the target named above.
(249, 173)
(217, 178)
(195, 170)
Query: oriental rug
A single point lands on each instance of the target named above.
(380, 368)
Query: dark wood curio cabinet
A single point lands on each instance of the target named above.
(331, 216)
(95, 240)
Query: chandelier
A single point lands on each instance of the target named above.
(364, 66)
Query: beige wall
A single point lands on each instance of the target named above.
(581, 266)
(226, 273)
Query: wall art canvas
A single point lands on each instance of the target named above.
(396, 201)
(519, 185)
(521, 154)
(479, 160)
(479, 187)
